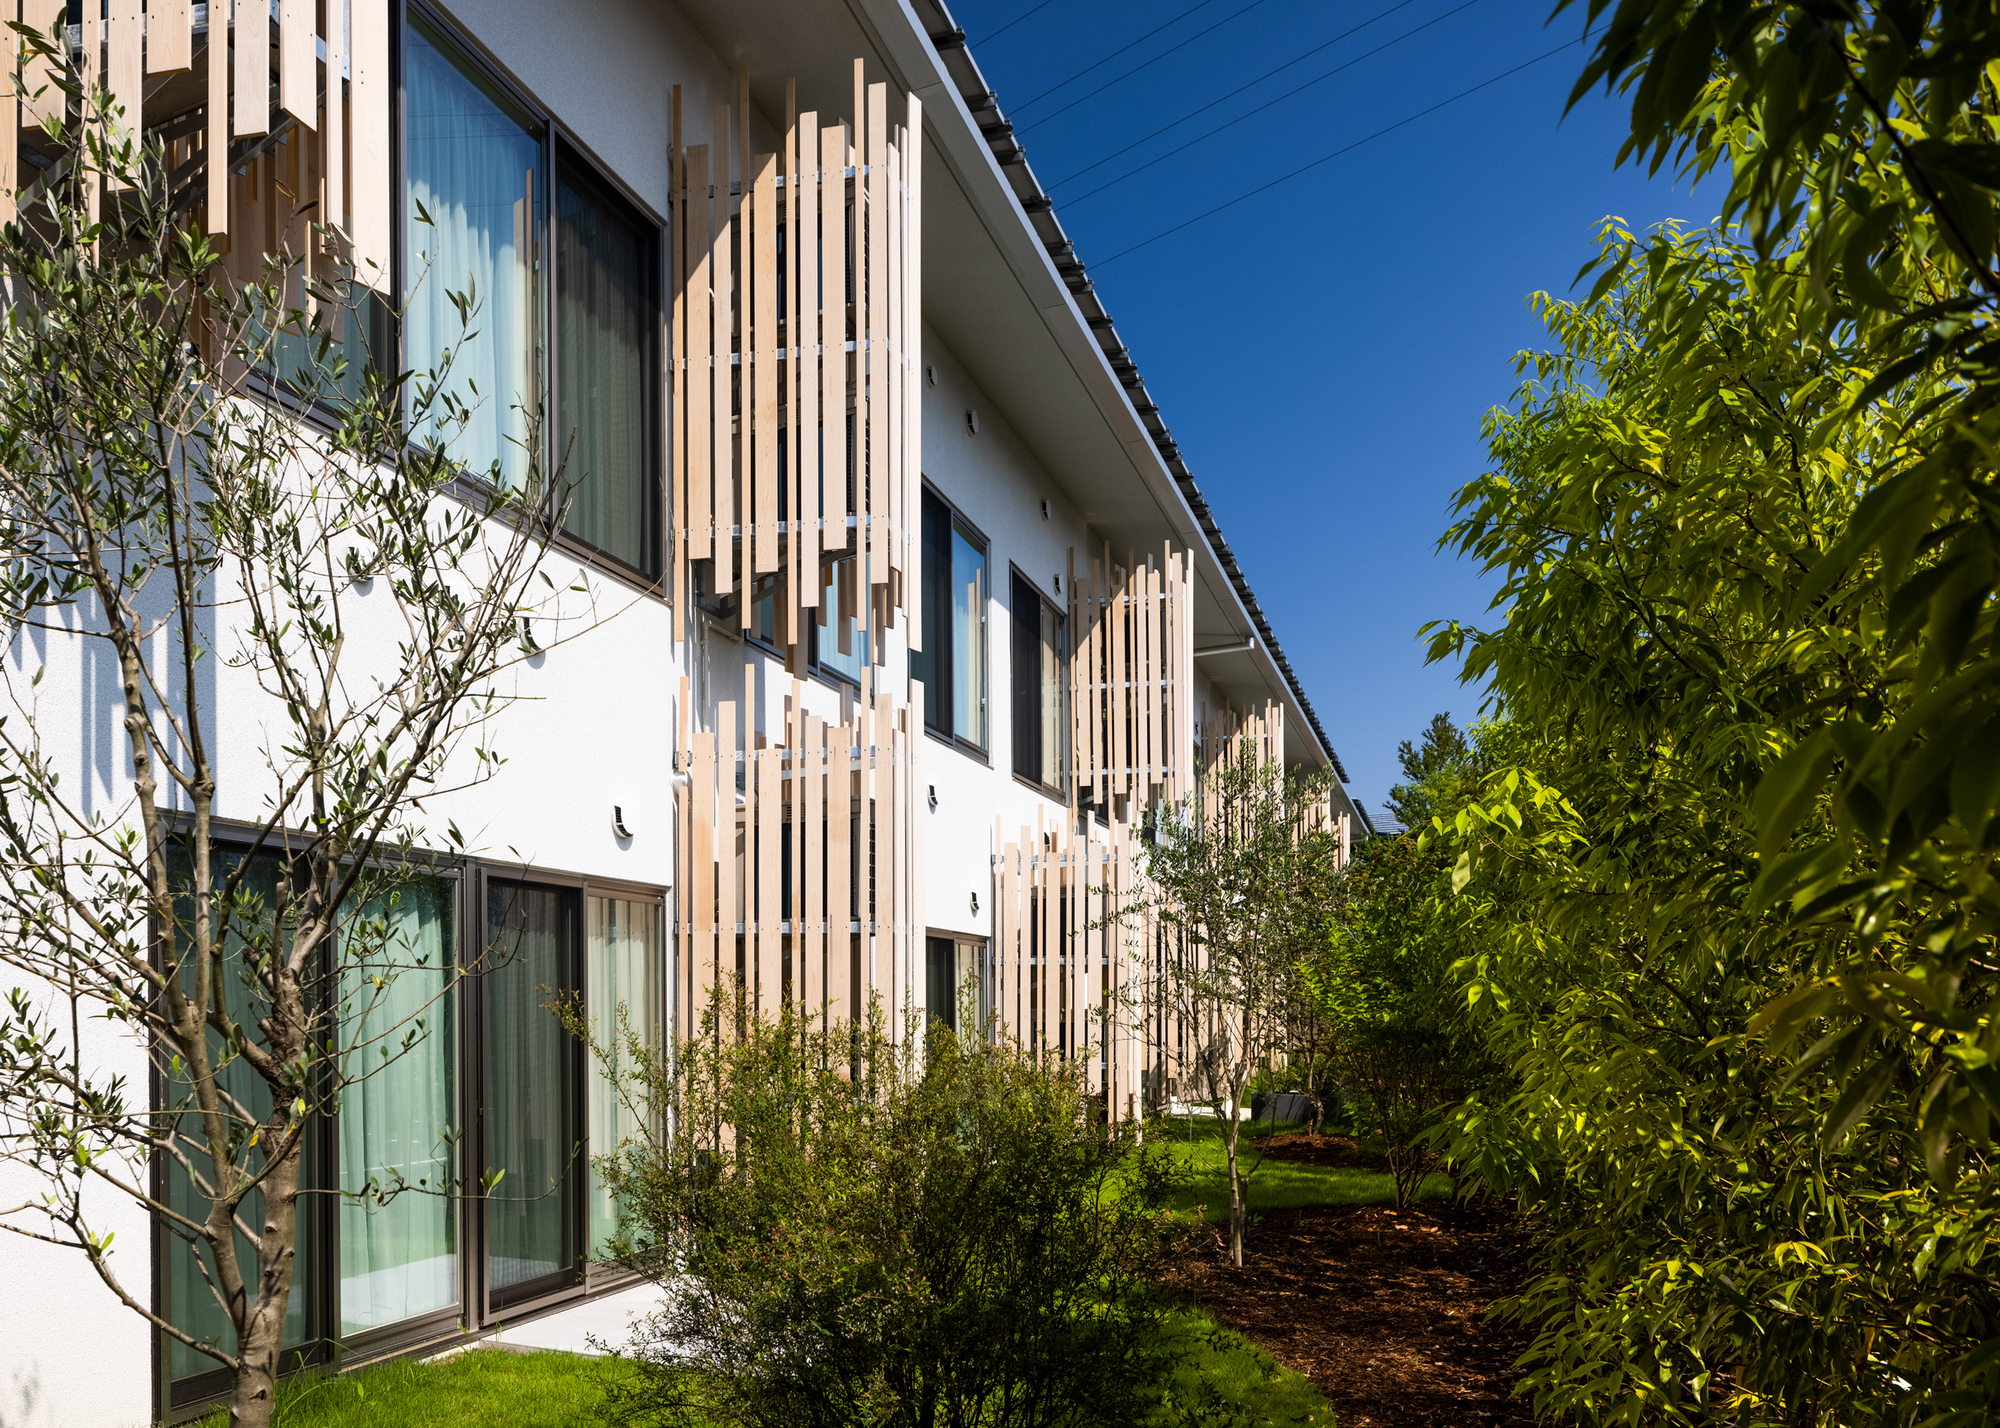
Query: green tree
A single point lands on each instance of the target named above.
(1238, 883)
(158, 509)
(1730, 1233)
(1864, 163)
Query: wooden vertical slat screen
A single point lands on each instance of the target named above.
(1131, 668)
(125, 64)
(371, 88)
(41, 101)
(11, 115)
(851, 784)
(1054, 955)
(832, 373)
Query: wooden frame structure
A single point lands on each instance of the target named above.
(204, 88)
(797, 329)
(800, 862)
(1131, 672)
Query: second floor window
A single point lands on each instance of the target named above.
(1040, 688)
(472, 215)
(479, 242)
(952, 664)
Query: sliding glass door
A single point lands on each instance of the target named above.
(533, 1134)
(398, 1225)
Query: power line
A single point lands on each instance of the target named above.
(1032, 10)
(1329, 158)
(1400, 5)
(1114, 54)
(1144, 64)
(1252, 113)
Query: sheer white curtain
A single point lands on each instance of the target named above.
(623, 972)
(475, 173)
(401, 1258)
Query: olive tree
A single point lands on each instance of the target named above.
(1237, 886)
(169, 512)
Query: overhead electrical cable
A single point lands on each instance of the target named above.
(1099, 64)
(1032, 10)
(1400, 5)
(1252, 113)
(1345, 149)
(1144, 64)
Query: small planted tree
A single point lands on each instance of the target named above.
(332, 588)
(857, 1229)
(1238, 885)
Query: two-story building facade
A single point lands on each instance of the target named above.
(907, 607)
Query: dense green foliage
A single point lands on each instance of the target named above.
(856, 1229)
(1400, 1043)
(1730, 877)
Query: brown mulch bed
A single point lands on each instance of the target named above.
(1384, 1312)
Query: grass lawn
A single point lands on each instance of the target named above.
(1227, 1382)
(1276, 1184)
(1223, 1383)
(468, 1390)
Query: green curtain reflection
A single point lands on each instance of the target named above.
(475, 170)
(623, 970)
(399, 1258)
(532, 1135)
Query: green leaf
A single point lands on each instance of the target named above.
(1787, 789)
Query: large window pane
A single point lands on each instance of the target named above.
(604, 382)
(398, 1258)
(189, 1269)
(622, 991)
(1054, 690)
(533, 1140)
(475, 173)
(968, 642)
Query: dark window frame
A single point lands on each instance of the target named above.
(561, 151)
(180, 1398)
(1023, 657)
(933, 598)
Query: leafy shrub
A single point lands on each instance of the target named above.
(855, 1228)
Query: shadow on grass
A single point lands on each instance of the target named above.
(1275, 1184)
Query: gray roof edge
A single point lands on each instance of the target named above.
(954, 53)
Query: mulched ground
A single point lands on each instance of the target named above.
(1384, 1312)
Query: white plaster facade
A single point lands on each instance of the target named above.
(1061, 461)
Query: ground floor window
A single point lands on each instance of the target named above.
(958, 979)
(489, 1085)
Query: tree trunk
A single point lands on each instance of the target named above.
(1239, 1207)
(261, 1339)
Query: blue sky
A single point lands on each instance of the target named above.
(1325, 351)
